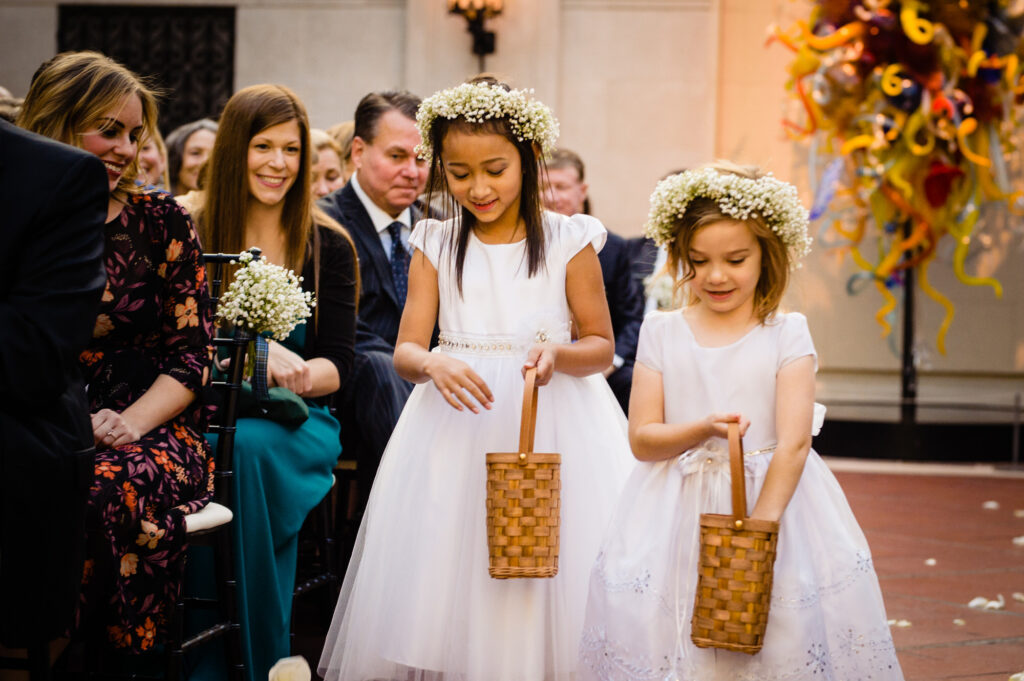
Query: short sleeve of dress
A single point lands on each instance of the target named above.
(427, 236)
(795, 340)
(578, 231)
(648, 348)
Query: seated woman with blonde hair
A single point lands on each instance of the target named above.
(343, 133)
(328, 174)
(146, 364)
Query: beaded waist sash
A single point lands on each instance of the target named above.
(499, 346)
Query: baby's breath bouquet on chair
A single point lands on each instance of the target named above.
(264, 299)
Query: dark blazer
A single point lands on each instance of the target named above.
(53, 205)
(642, 254)
(379, 311)
(625, 296)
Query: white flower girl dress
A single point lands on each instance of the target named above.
(418, 603)
(826, 621)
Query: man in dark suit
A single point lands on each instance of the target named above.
(53, 205)
(376, 206)
(566, 193)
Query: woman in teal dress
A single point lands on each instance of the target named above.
(258, 194)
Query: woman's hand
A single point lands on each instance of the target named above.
(458, 384)
(287, 370)
(111, 429)
(542, 356)
(718, 424)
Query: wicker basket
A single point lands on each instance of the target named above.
(734, 586)
(523, 495)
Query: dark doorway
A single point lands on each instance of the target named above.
(188, 52)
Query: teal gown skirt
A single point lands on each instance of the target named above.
(281, 473)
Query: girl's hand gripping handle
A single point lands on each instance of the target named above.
(541, 358)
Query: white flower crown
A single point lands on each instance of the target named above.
(477, 102)
(767, 198)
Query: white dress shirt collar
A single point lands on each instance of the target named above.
(378, 217)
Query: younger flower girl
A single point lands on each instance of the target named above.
(730, 356)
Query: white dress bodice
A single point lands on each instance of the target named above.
(739, 377)
(499, 299)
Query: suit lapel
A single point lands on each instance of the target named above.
(365, 232)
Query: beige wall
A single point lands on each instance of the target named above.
(640, 87)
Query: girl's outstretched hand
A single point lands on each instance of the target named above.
(542, 356)
(458, 384)
(719, 424)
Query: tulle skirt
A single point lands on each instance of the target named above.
(827, 621)
(417, 602)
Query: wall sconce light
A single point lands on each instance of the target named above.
(476, 12)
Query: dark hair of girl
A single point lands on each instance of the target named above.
(530, 207)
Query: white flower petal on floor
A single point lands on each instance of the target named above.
(1018, 596)
(959, 622)
(990, 505)
(1018, 541)
(983, 603)
(293, 668)
(997, 604)
(930, 561)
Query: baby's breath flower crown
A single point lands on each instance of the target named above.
(742, 198)
(478, 102)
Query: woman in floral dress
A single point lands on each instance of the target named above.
(147, 361)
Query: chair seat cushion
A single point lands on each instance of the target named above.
(210, 516)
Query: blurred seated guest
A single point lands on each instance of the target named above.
(153, 160)
(327, 171)
(146, 363)
(54, 199)
(343, 133)
(566, 193)
(643, 257)
(258, 194)
(188, 147)
(648, 262)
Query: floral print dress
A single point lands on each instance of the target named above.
(154, 319)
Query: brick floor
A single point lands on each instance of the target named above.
(913, 513)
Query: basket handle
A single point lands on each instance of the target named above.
(739, 481)
(529, 420)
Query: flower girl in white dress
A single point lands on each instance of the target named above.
(502, 279)
(730, 356)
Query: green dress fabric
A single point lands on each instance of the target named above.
(281, 473)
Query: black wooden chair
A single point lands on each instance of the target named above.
(211, 525)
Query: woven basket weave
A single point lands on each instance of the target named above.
(737, 555)
(523, 497)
